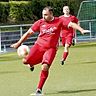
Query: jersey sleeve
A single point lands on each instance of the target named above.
(36, 26)
(74, 19)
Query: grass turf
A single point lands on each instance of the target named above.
(76, 78)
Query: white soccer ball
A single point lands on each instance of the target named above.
(23, 50)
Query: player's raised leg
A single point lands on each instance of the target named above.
(33, 58)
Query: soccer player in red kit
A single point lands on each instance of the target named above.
(45, 47)
(67, 34)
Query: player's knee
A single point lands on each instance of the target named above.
(24, 61)
(67, 45)
(45, 67)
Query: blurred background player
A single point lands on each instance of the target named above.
(67, 34)
(45, 47)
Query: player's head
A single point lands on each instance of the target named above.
(66, 10)
(47, 13)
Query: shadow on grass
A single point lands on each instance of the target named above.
(9, 58)
(88, 62)
(8, 72)
(71, 91)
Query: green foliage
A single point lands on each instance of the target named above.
(19, 0)
(58, 6)
(4, 0)
(38, 5)
(4, 11)
(16, 11)
(20, 11)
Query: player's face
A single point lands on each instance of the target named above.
(47, 15)
(66, 10)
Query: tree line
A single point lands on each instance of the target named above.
(27, 11)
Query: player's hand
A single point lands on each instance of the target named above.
(86, 31)
(15, 45)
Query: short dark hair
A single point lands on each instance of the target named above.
(48, 8)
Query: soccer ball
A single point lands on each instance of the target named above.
(23, 50)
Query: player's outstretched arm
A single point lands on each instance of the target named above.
(76, 26)
(22, 39)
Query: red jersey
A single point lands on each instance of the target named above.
(65, 29)
(49, 32)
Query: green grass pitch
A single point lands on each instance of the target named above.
(76, 78)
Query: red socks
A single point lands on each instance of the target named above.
(65, 54)
(43, 77)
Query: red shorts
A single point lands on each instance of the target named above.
(42, 55)
(67, 40)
